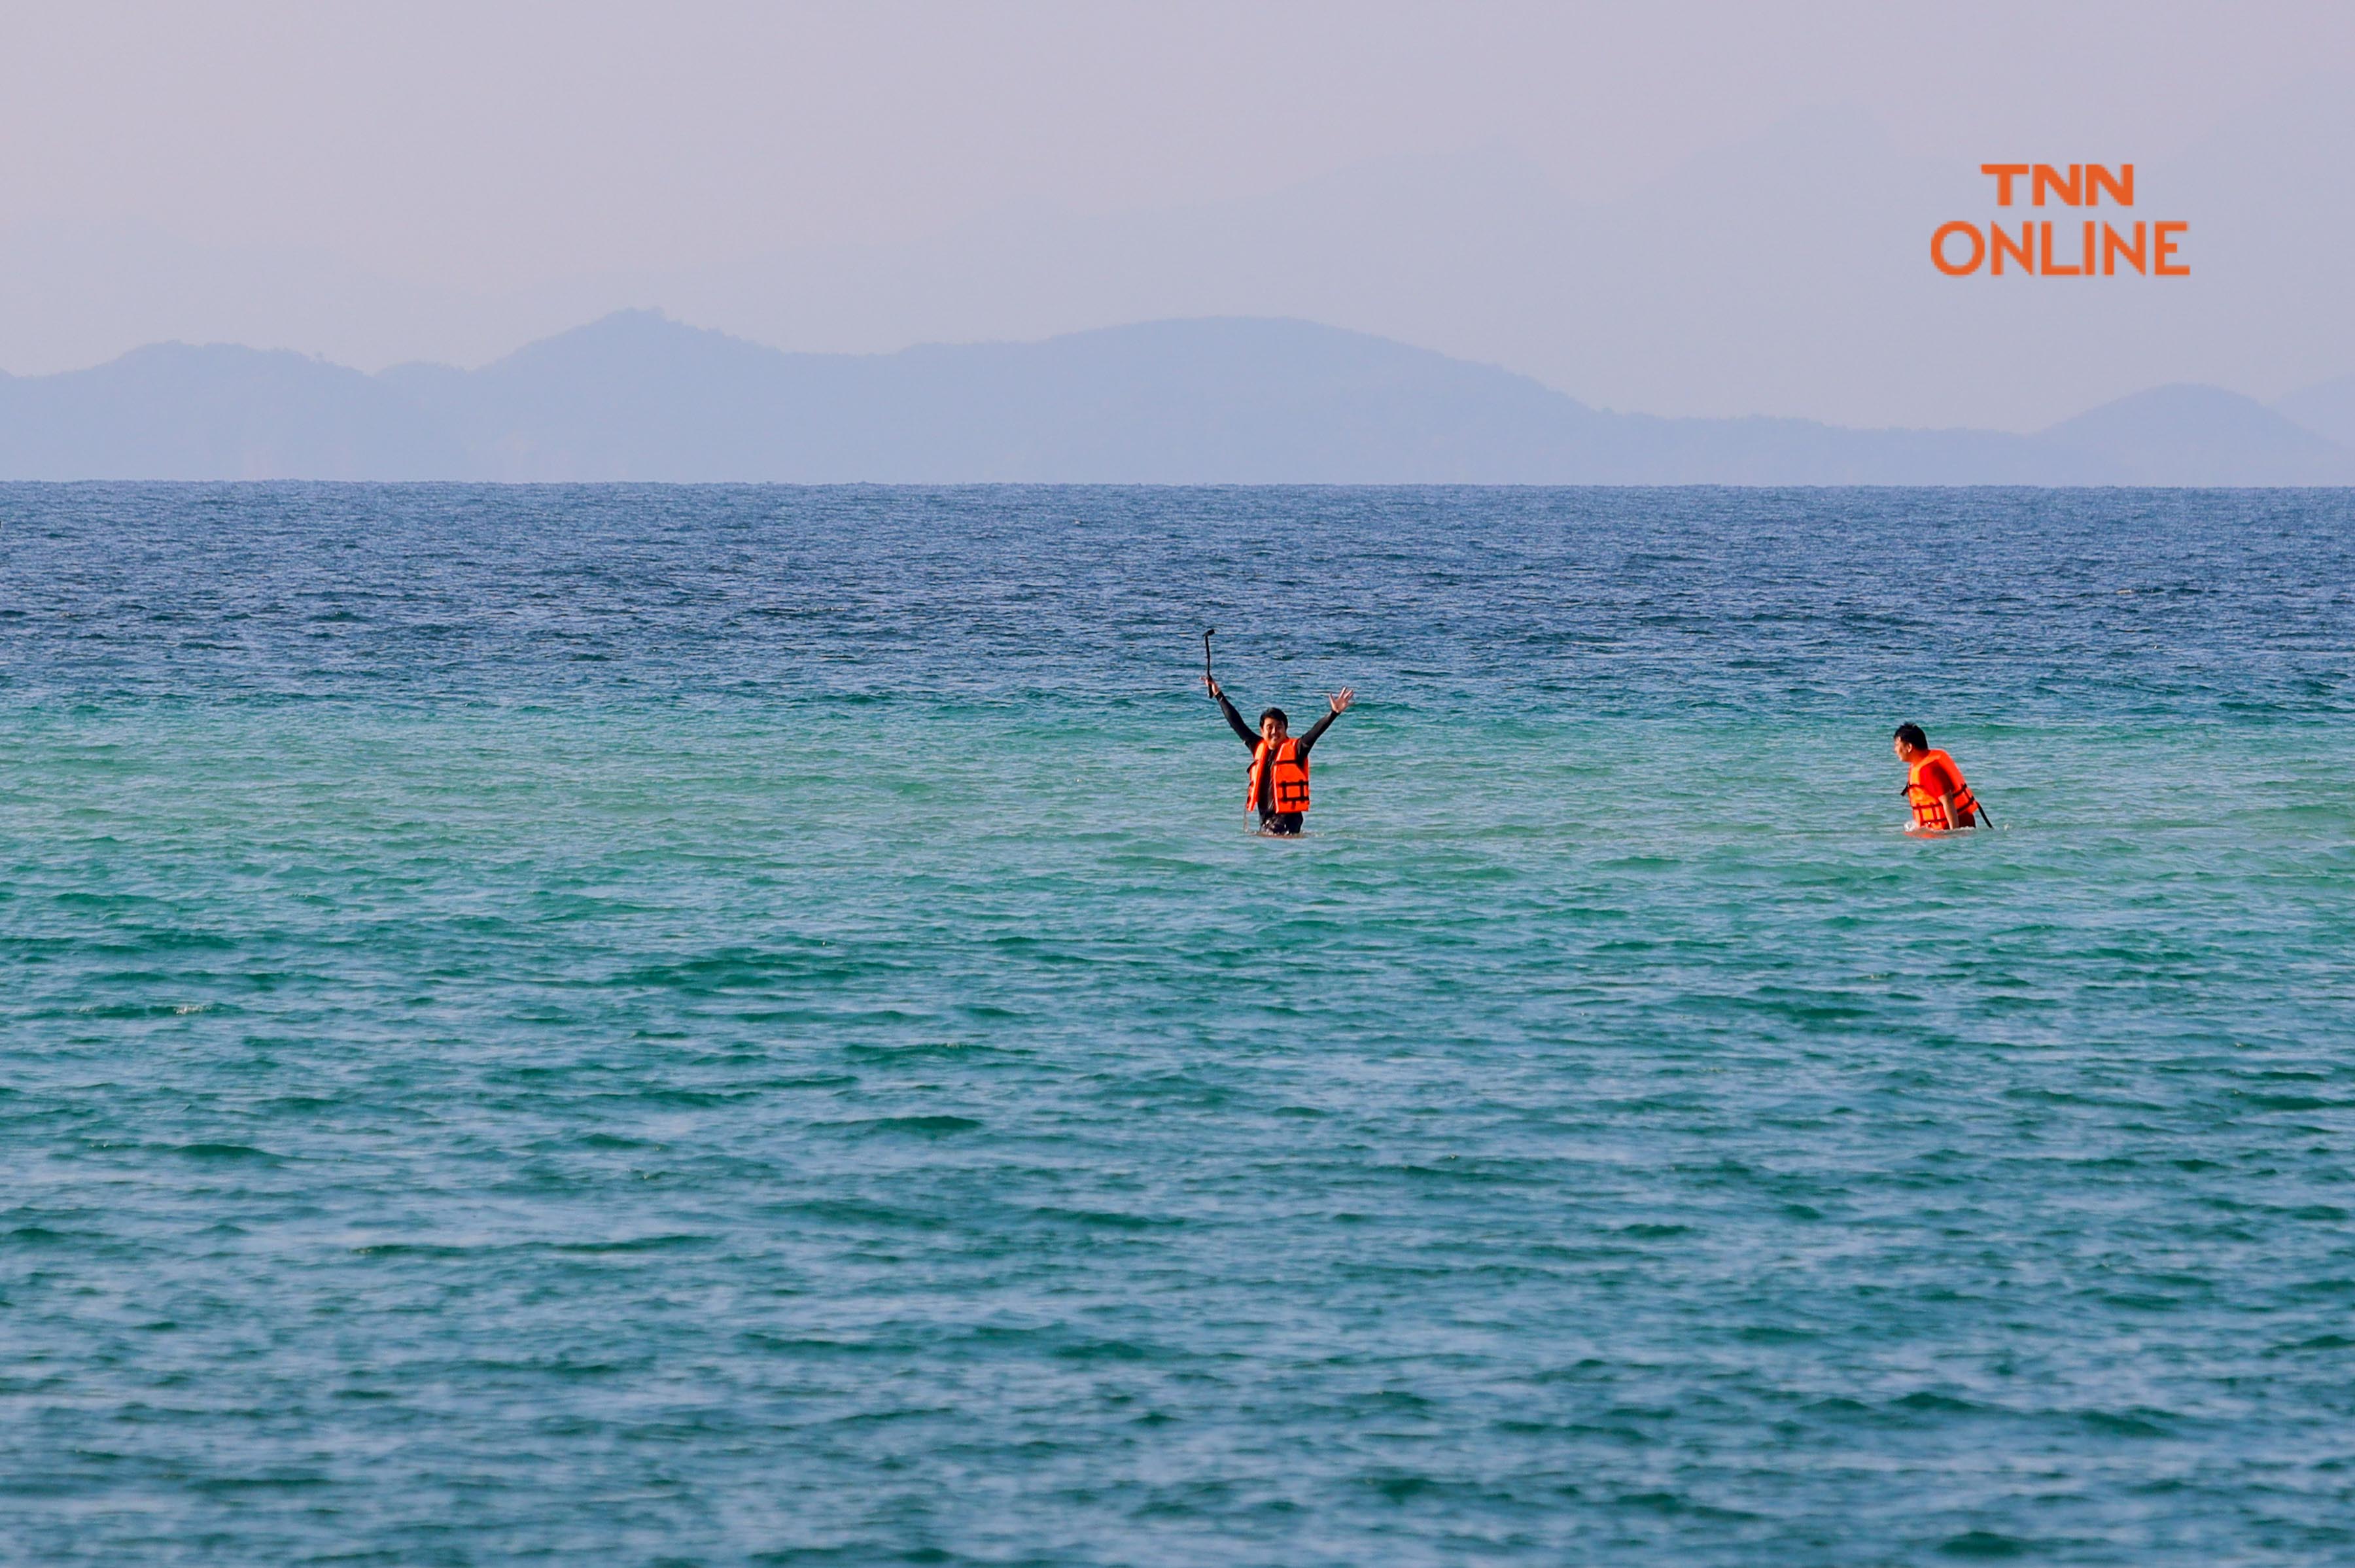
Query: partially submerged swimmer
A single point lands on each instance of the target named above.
(1279, 766)
(1942, 801)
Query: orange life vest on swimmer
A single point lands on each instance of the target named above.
(1929, 811)
(1291, 764)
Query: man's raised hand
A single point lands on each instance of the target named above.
(1342, 699)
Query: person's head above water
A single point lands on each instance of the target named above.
(1272, 725)
(1910, 742)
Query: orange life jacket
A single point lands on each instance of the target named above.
(1929, 811)
(1291, 775)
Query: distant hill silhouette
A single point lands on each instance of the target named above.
(1236, 401)
(2328, 410)
(170, 411)
(2201, 435)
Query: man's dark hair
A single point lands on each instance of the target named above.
(1911, 735)
(1278, 715)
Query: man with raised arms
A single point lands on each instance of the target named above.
(1279, 767)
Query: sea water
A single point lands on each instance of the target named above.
(721, 1026)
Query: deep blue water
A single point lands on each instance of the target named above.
(721, 1025)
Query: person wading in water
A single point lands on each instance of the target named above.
(1279, 768)
(1942, 801)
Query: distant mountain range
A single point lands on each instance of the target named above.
(1229, 400)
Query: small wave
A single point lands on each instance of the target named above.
(1111, 1220)
(226, 1152)
(661, 1244)
(2128, 1424)
(931, 1126)
(1982, 1543)
(1925, 1401)
(1106, 1350)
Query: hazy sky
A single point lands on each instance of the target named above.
(507, 153)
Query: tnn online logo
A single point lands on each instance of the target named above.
(1961, 248)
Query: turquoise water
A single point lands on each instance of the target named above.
(650, 1024)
